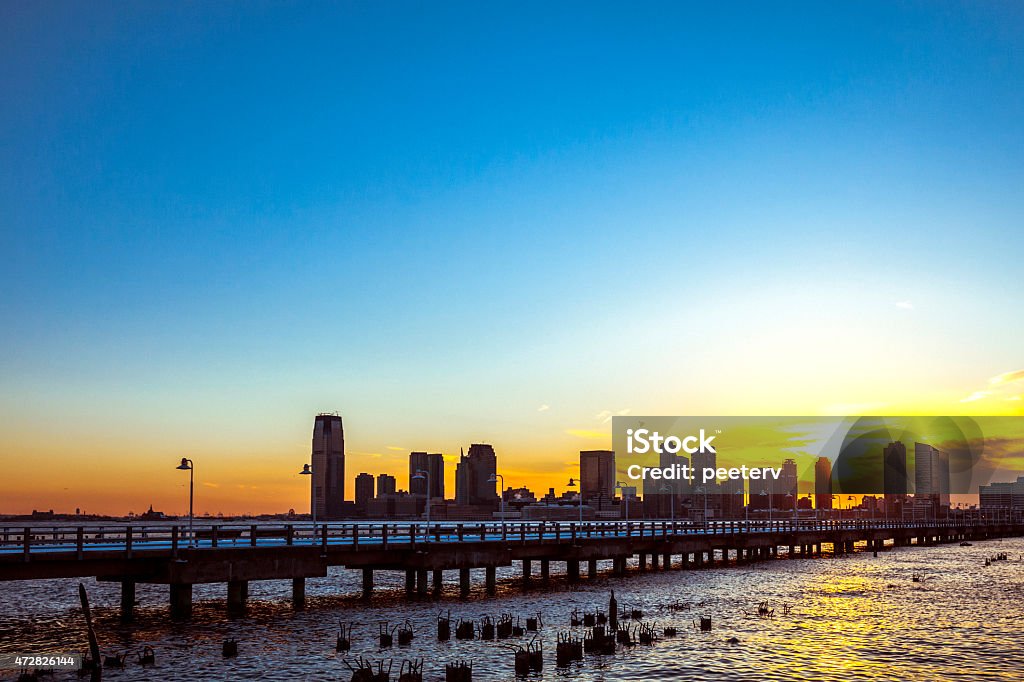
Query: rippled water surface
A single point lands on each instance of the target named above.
(854, 617)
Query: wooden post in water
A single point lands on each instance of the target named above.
(94, 646)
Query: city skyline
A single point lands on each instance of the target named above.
(598, 478)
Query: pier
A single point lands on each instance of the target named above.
(235, 554)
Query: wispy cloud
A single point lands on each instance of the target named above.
(905, 305)
(999, 386)
(544, 408)
(397, 448)
(1007, 378)
(605, 416)
(211, 485)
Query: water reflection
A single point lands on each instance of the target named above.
(854, 617)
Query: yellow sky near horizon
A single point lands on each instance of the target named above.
(106, 474)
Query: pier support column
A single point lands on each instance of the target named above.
(698, 558)
(438, 582)
(181, 600)
(367, 583)
(572, 570)
(527, 571)
(238, 591)
(592, 568)
(641, 561)
(127, 601)
(410, 582)
(666, 561)
(421, 582)
(490, 579)
(463, 582)
(654, 561)
(545, 569)
(298, 593)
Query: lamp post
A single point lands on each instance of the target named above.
(622, 486)
(501, 496)
(746, 507)
(572, 484)
(307, 470)
(186, 465)
(420, 476)
(672, 502)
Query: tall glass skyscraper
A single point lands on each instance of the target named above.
(328, 466)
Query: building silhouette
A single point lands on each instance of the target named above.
(657, 502)
(328, 461)
(731, 494)
(433, 463)
(784, 491)
(895, 480)
(823, 483)
(931, 474)
(704, 494)
(386, 485)
(597, 474)
(472, 476)
(760, 493)
(894, 473)
(1004, 498)
(364, 490)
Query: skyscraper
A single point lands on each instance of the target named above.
(597, 474)
(823, 483)
(328, 466)
(432, 463)
(703, 494)
(386, 485)
(364, 490)
(472, 475)
(784, 491)
(894, 472)
(931, 473)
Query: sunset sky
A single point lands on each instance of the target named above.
(464, 222)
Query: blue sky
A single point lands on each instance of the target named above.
(440, 218)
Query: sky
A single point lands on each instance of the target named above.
(500, 222)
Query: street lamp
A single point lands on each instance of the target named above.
(420, 476)
(672, 502)
(572, 484)
(622, 486)
(501, 496)
(186, 465)
(307, 470)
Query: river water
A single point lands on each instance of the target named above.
(853, 617)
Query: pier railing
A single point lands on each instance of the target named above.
(127, 539)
